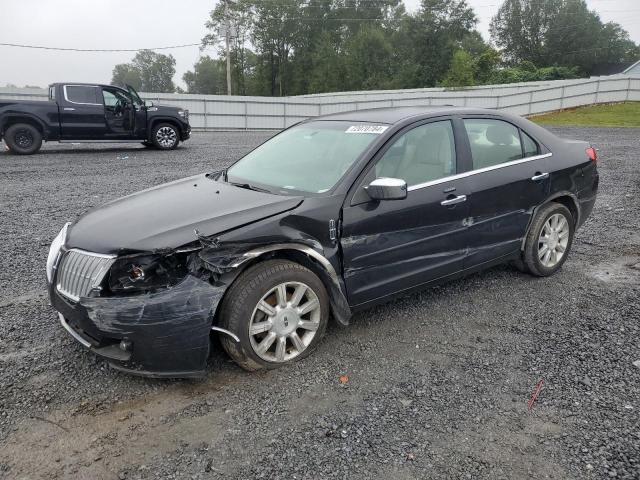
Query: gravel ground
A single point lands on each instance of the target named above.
(438, 382)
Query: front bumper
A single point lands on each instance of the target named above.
(185, 132)
(167, 332)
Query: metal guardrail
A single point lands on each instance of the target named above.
(221, 112)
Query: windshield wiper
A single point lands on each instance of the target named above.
(248, 186)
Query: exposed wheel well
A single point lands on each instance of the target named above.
(284, 254)
(566, 200)
(14, 119)
(570, 203)
(170, 122)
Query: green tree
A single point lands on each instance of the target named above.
(148, 72)
(369, 60)
(520, 26)
(126, 74)
(558, 33)
(208, 77)
(427, 40)
(460, 73)
(326, 67)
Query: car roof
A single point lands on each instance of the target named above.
(392, 115)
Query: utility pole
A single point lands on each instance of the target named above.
(227, 36)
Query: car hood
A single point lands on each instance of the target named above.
(167, 216)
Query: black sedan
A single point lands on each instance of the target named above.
(332, 215)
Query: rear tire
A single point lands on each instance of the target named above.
(23, 139)
(549, 240)
(165, 136)
(285, 289)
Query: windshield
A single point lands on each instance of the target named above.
(310, 157)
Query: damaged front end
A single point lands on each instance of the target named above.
(152, 313)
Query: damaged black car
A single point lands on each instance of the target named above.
(330, 216)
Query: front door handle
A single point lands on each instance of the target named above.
(540, 176)
(454, 200)
(69, 109)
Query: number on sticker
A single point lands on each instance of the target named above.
(376, 129)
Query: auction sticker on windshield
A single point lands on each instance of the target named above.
(377, 129)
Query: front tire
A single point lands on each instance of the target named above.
(279, 310)
(23, 139)
(549, 240)
(165, 136)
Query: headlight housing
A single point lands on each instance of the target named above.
(146, 273)
(54, 251)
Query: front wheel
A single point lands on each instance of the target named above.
(23, 139)
(549, 240)
(279, 310)
(165, 136)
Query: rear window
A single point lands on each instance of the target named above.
(82, 94)
(492, 142)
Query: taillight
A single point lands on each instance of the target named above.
(592, 154)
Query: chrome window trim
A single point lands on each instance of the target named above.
(66, 97)
(479, 170)
(92, 254)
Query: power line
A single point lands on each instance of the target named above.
(41, 47)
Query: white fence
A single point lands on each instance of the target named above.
(220, 112)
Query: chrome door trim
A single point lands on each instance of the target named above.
(479, 170)
(64, 89)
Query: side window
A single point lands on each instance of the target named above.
(530, 146)
(492, 142)
(110, 100)
(422, 154)
(82, 94)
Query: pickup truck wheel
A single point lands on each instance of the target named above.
(549, 240)
(23, 139)
(165, 136)
(279, 310)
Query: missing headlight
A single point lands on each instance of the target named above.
(147, 273)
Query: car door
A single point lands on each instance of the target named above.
(82, 113)
(508, 178)
(119, 113)
(393, 245)
(140, 118)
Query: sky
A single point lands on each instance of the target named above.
(135, 24)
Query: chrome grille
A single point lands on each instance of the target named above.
(79, 272)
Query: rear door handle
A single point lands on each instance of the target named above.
(539, 176)
(454, 200)
(69, 109)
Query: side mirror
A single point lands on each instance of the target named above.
(387, 189)
(148, 103)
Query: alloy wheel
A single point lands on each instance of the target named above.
(166, 137)
(553, 240)
(284, 322)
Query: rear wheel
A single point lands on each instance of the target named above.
(279, 310)
(23, 139)
(165, 136)
(549, 240)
